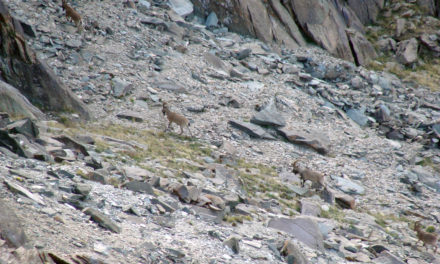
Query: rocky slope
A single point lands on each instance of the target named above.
(120, 190)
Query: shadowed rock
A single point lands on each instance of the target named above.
(251, 129)
(102, 220)
(304, 229)
(10, 229)
(14, 103)
(22, 69)
(313, 141)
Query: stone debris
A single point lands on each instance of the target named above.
(226, 195)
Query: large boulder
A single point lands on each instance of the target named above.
(322, 22)
(407, 50)
(366, 10)
(14, 103)
(22, 69)
(363, 50)
(287, 22)
(254, 17)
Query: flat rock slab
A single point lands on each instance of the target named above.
(25, 127)
(10, 229)
(168, 85)
(427, 178)
(139, 186)
(312, 140)
(102, 220)
(304, 229)
(349, 186)
(130, 115)
(310, 208)
(269, 117)
(358, 116)
(387, 258)
(251, 129)
(23, 191)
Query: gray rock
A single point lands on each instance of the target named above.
(168, 85)
(83, 189)
(358, 116)
(387, 44)
(324, 24)
(143, 6)
(427, 177)
(187, 194)
(251, 129)
(93, 161)
(72, 144)
(304, 229)
(97, 176)
(345, 201)
(348, 186)
(312, 140)
(243, 54)
(385, 257)
(233, 243)
(120, 87)
(167, 206)
(131, 115)
(289, 22)
(294, 255)
(310, 208)
(73, 43)
(406, 53)
(382, 114)
(102, 220)
(138, 186)
(211, 20)
(366, 10)
(10, 227)
(400, 27)
(216, 62)
(269, 116)
(14, 103)
(181, 7)
(13, 187)
(24, 126)
(363, 50)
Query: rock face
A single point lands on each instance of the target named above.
(321, 21)
(10, 229)
(304, 229)
(253, 17)
(23, 70)
(286, 22)
(14, 103)
(407, 51)
(366, 10)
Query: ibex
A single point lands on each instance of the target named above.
(174, 117)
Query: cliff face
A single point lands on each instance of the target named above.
(337, 26)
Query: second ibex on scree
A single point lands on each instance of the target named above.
(72, 14)
(316, 178)
(426, 237)
(174, 117)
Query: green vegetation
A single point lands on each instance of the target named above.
(427, 70)
(234, 219)
(334, 213)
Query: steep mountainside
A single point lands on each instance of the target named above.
(121, 189)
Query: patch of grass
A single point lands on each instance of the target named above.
(161, 146)
(334, 213)
(382, 219)
(234, 219)
(430, 229)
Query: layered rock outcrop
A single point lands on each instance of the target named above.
(21, 68)
(337, 26)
